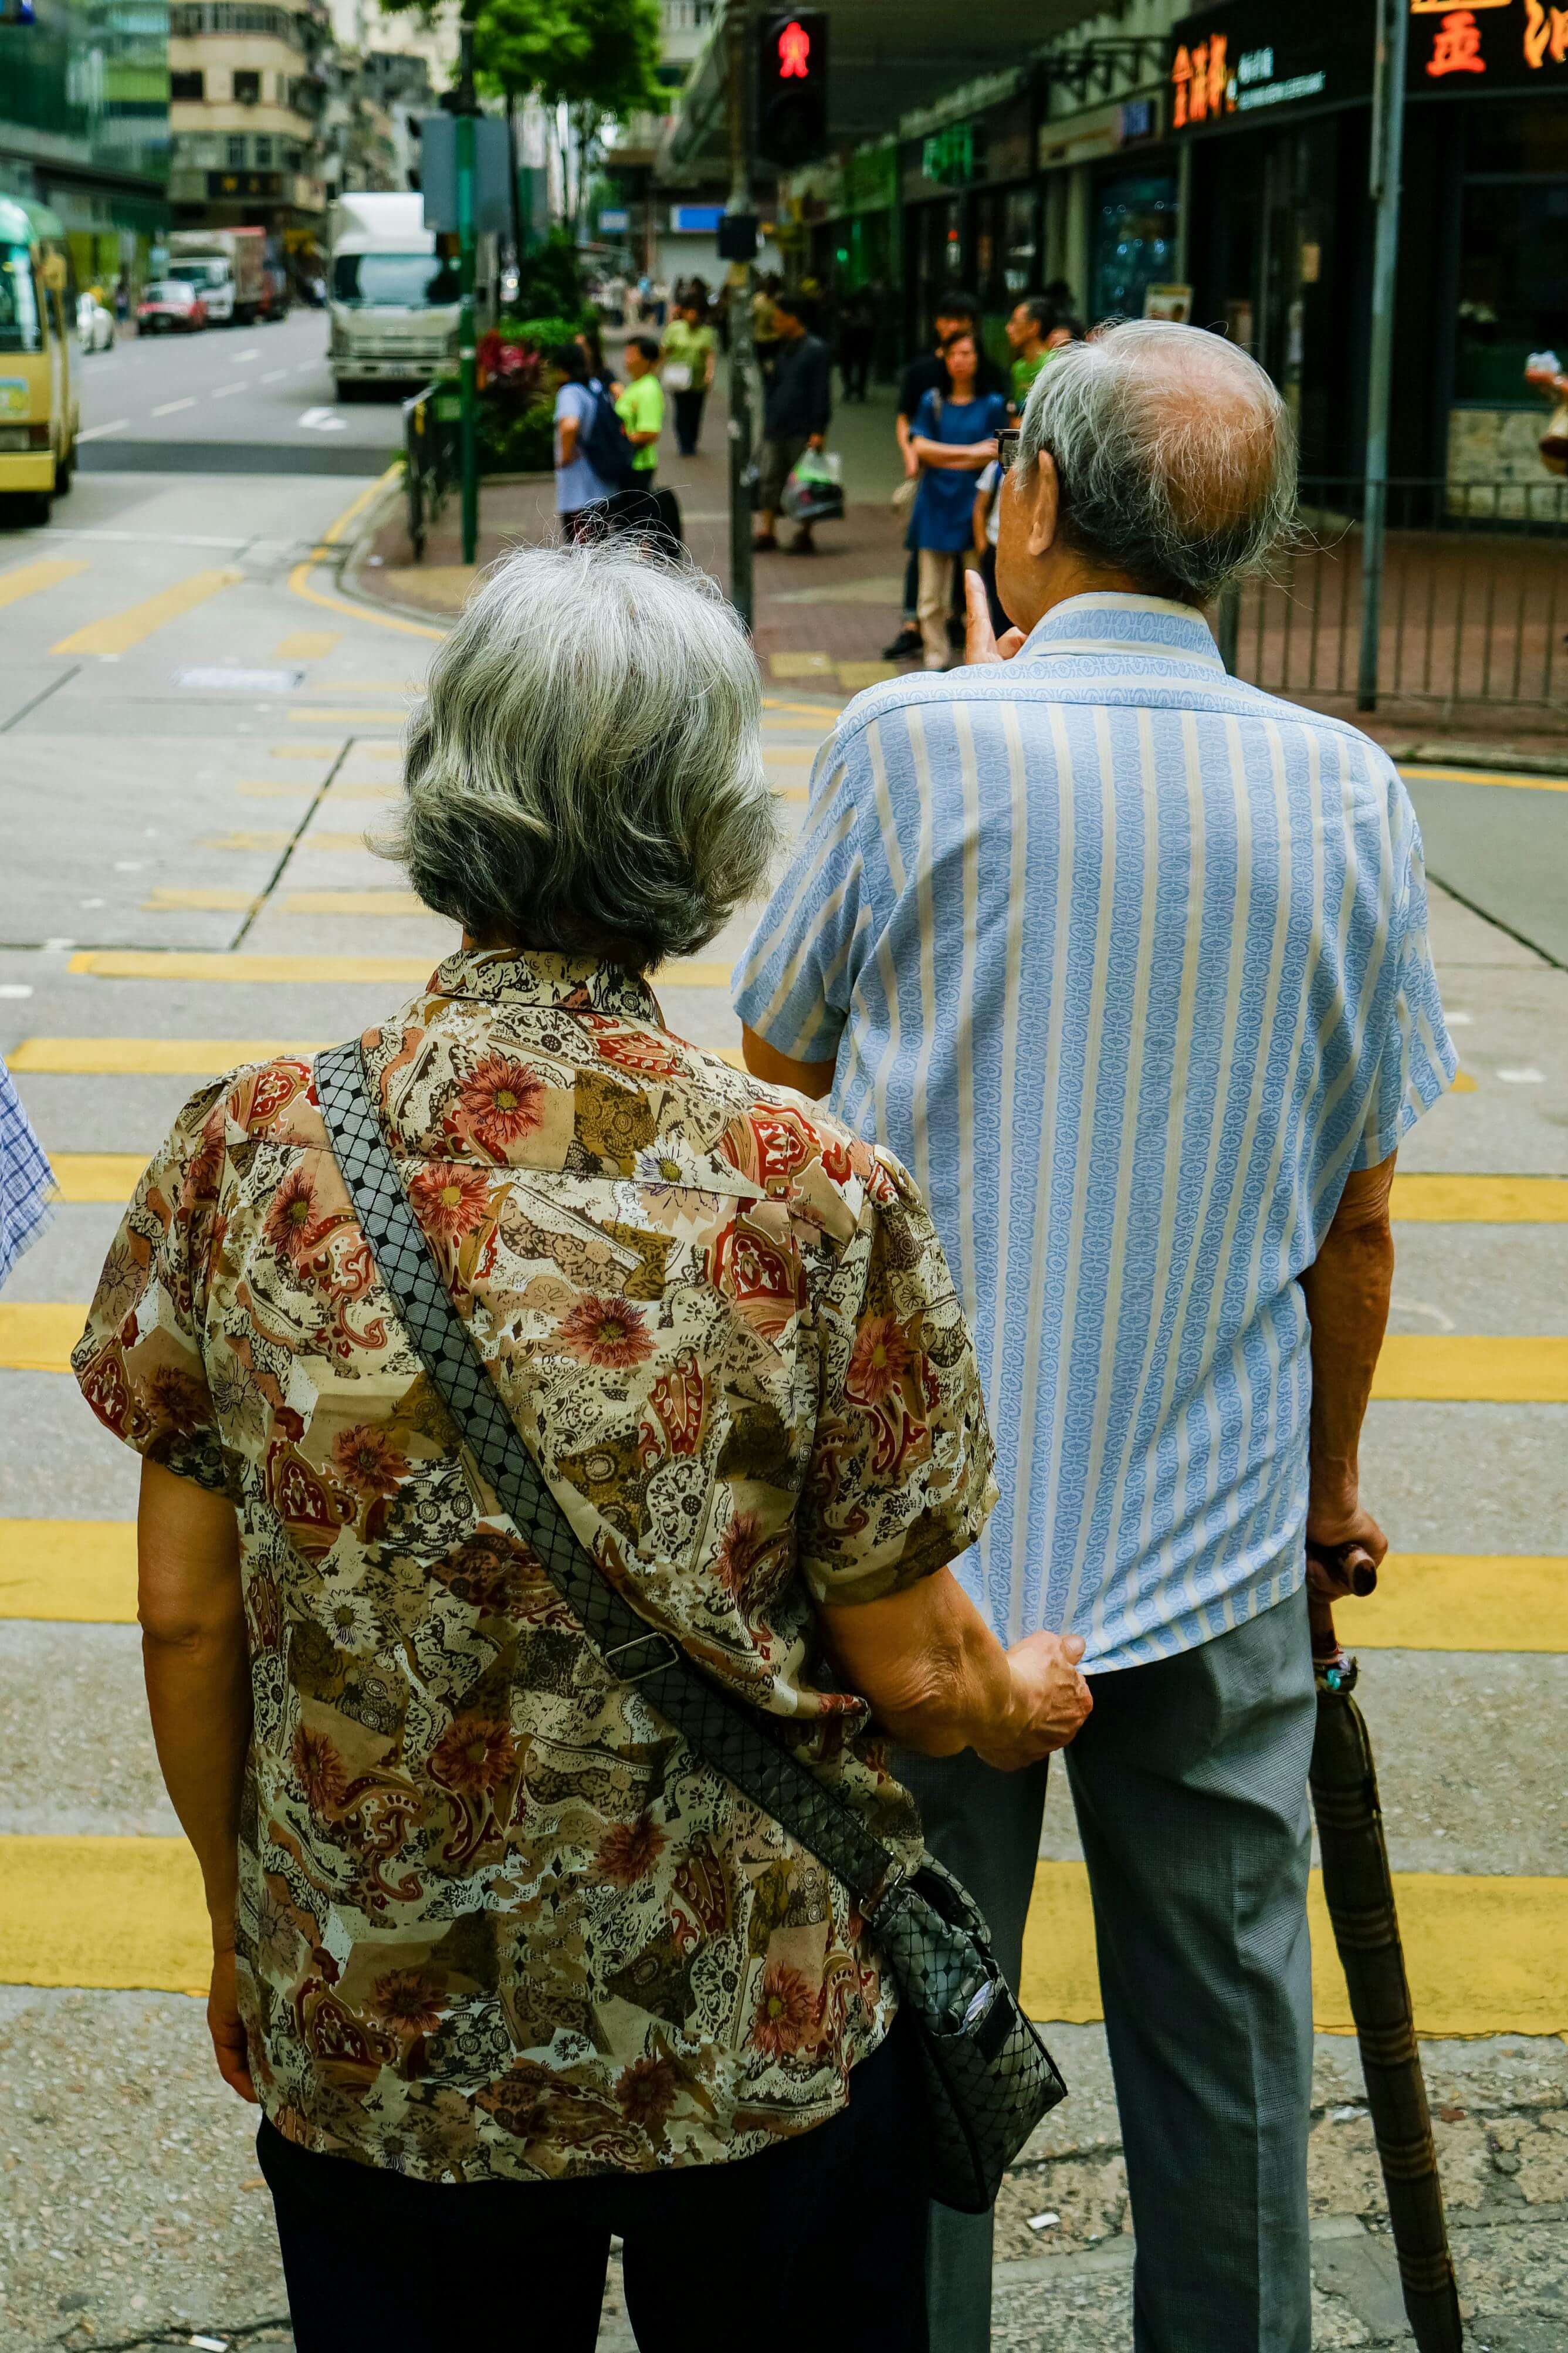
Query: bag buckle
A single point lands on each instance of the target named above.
(669, 1656)
(892, 1879)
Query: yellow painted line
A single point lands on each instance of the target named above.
(306, 751)
(39, 1339)
(353, 903)
(141, 1058)
(389, 791)
(1484, 1956)
(1481, 1201)
(1487, 777)
(93, 1177)
(30, 579)
(172, 901)
(1461, 1601)
(120, 631)
(275, 838)
(103, 1912)
(272, 791)
(804, 709)
(79, 1572)
(1463, 1083)
(313, 718)
(201, 964)
(791, 793)
(1473, 1367)
(804, 753)
(299, 580)
(306, 645)
(787, 666)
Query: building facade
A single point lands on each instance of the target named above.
(84, 128)
(249, 82)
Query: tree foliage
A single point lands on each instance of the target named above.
(599, 55)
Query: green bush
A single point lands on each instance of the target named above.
(551, 282)
(517, 443)
(543, 334)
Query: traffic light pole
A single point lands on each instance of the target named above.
(1387, 160)
(742, 350)
(467, 244)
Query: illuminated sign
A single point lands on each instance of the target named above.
(1458, 47)
(794, 51)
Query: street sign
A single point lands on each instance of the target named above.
(492, 174)
(792, 87)
(614, 218)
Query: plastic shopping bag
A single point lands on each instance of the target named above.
(814, 492)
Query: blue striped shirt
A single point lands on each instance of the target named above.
(1128, 962)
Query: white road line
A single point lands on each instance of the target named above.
(225, 391)
(171, 405)
(273, 376)
(308, 368)
(241, 357)
(97, 432)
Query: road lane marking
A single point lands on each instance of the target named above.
(201, 963)
(1481, 1200)
(156, 1057)
(273, 376)
(315, 717)
(78, 1572)
(92, 1177)
(801, 752)
(306, 645)
(164, 902)
(1473, 1367)
(305, 751)
(353, 903)
(227, 391)
(1484, 1956)
(1461, 1601)
(172, 408)
(300, 582)
(287, 791)
(120, 631)
(241, 357)
(97, 432)
(39, 1339)
(1463, 1083)
(1485, 776)
(272, 841)
(32, 579)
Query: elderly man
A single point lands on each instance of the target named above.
(1129, 960)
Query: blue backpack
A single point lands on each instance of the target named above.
(603, 441)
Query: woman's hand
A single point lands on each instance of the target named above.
(227, 2028)
(980, 643)
(1051, 1701)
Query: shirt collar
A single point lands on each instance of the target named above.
(1105, 622)
(531, 976)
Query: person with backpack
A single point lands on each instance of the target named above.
(592, 456)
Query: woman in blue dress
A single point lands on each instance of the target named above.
(953, 434)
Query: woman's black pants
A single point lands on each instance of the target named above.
(822, 2236)
(689, 420)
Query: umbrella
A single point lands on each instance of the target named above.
(1359, 1889)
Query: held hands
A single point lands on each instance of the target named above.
(1050, 1702)
(980, 643)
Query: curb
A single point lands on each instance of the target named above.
(1481, 755)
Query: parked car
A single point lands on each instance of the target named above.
(94, 324)
(170, 307)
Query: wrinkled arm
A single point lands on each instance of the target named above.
(964, 457)
(1348, 1288)
(938, 1681)
(765, 1061)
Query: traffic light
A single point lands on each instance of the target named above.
(792, 87)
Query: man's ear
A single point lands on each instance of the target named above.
(1040, 499)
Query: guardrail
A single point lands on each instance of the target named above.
(430, 456)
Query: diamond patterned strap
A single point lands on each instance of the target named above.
(735, 1738)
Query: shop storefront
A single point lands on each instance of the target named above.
(1275, 105)
(84, 128)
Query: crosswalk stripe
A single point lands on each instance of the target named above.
(173, 901)
(273, 838)
(353, 903)
(1425, 1601)
(305, 751)
(31, 579)
(38, 1338)
(1481, 1201)
(306, 645)
(201, 963)
(1484, 1956)
(316, 717)
(120, 631)
(85, 1177)
(1485, 776)
(144, 1058)
(788, 752)
(1473, 1367)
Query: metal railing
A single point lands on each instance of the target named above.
(429, 458)
(1475, 597)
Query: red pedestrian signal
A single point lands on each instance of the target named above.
(792, 87)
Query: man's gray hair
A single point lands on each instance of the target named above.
(1174, 452)
(586, 764)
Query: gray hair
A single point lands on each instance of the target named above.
(1175, 453)
(585, 768)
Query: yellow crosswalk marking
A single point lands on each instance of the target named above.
(390, 791)
(855, 676)
(306, 645)
(306, 751)
(1463, 1083)
(201, 964)
(1481, 1201)
(1484, 1956)
(273, 838)
(353, 903)
(142, 1058)
(29, 579)
(1487, 776)
(120, 631)
(790, 752)
(791, 793)
(315, 717)
(173, 901)
(95, 1176)
(1482, 1367)
(76, 1571)
(824, 710)
(38, 1339)
(271, 790)
(800, 665)
(1461, 1601)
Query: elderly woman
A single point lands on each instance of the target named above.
(508, 1965)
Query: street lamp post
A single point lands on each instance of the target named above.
(1387, 159)
(742, 352)
(467, 241)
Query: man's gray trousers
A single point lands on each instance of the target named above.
(1190, 1780)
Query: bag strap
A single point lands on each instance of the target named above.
(735, 1738)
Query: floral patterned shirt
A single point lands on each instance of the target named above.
(497, 1918)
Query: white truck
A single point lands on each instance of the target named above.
(392, 297)
(227, 268)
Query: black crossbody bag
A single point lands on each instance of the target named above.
(988, 2077)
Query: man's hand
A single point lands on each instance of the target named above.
(226, 2027)
(980, 643)
(1051, 1699)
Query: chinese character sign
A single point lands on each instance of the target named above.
(1456, 45)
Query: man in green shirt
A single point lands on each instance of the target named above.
(1031, 322)
(687, 353)
(640, 406)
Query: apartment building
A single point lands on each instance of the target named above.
(249, 82)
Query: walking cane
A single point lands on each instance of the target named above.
(1358, 1890)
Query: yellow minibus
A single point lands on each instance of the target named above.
(39, 411)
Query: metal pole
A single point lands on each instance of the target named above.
(468, 374)
(742, 352)
(1387, 157)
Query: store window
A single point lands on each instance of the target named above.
(187, 86)
(1513, 287)
(1021, 243)
(235, 158)
(263, 157)
(1134, 243)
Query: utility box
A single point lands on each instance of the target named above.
(492, 174)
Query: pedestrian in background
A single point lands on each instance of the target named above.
(954, 438)
(640, 404)
(1131, 960)
(582, 496)
(929, 373)
(1027, 329)
(856, 342)
(794, 416)
(690, 357)
(509, 1965)
(26, 1180)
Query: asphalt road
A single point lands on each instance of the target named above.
(231, 400)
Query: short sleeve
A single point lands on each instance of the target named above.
(925, 417)
(899, 1482)
(1416, 1061)
(139, 1363)
(794, 986)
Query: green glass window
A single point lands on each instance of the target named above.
(19, 301)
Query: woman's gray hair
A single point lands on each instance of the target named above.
(585, 772)
(1175, 453)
